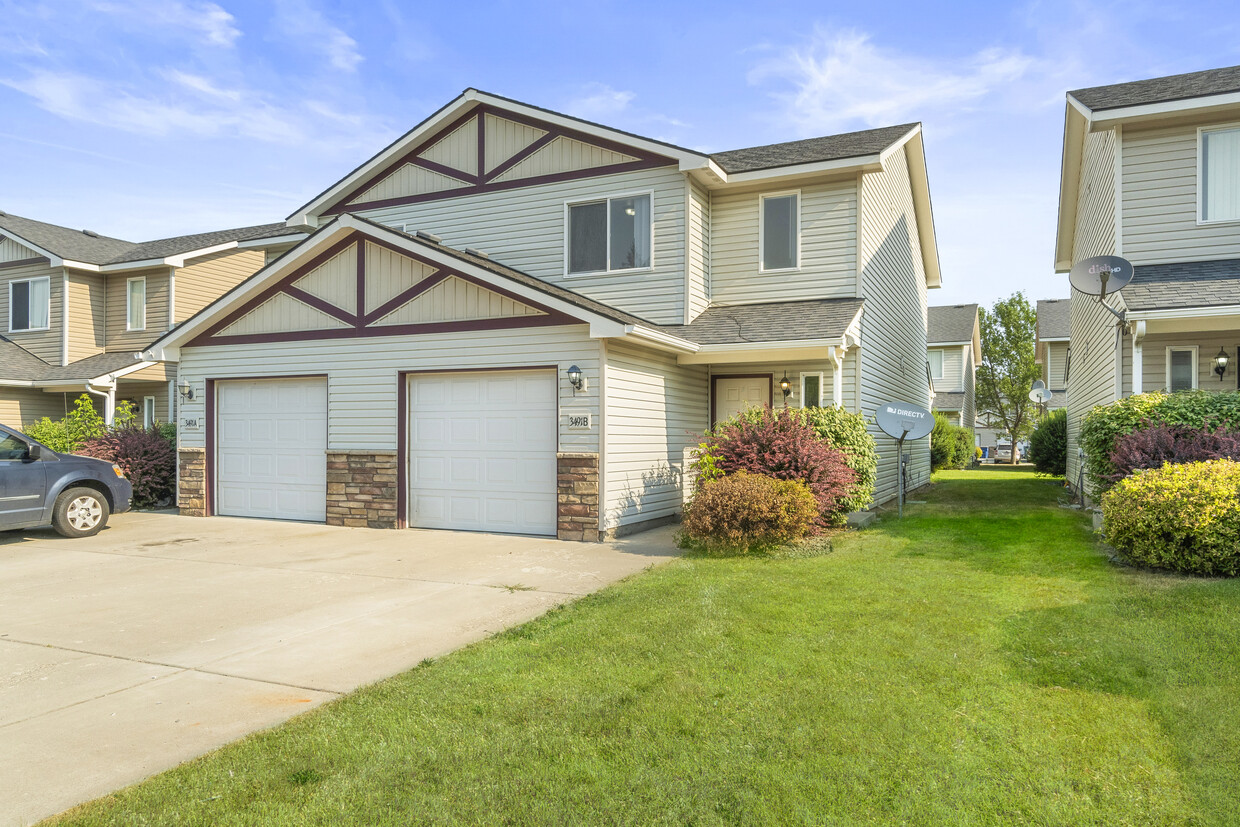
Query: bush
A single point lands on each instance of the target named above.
(1155, 447)
(1104, 425)
(65, 435)
(951, 446)
(781, 445)
(1048, 447)
(746, 512)
(145, 456)
(1184, 518)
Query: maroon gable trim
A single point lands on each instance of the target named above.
(484, 180)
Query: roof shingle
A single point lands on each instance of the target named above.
(1054, 318)
(1161, 90)
(951, 323)
(811, 150)
(773, 322)
(1187, 284)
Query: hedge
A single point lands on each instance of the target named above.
(744, 512)
(1048, 447)
(951, 446)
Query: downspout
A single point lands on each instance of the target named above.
(109, 402)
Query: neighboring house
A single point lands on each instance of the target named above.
(515, 320)
(954, 349)
(78, 307)
(1149, 173)
(1054, 332)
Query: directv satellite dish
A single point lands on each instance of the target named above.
(1101, 275)
(900, 420)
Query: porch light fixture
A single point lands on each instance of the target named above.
(785, 385)
(186, 390)
(1220, 363)
(576, 379)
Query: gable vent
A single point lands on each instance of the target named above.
(478, 253)
(90, 233)
(431, 237)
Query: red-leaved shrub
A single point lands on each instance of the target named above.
(1155, 446)
(745, 512)
(783, 446)
(145, 456)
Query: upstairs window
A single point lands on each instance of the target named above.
(1220, 175)
(936, 364)
(779, 231)
(30, 304)
(609, 235)
(135, 304)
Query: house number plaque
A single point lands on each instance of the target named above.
(577, 420)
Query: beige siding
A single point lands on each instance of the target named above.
(655, 411)
(458, 149)
(1160, 201)
(1154, 359)
(11, 250)
(334, 281)
(87, 314)
(455, 300)
(1056, 366)
(282, 314)
(46, 344)
(893, 323)
(136, 392)
(524, 228)
(828, 246)
(20, 407)
(968, 412)
(388, 274)
(118, 338)
(506, 138)
(1091, 377)
(362, 375)
(794, 371)
(410, 180)
(698, 229)
(205, 279)
(563, 155)
(952, 380)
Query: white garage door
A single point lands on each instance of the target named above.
(271, 449)
(482, 451)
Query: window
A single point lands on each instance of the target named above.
(779, 232)
(148, 411)
(135, 304)
(609, 235)
(30, 304)
(1219, 175)
(12, 448)
(1181, 368)
(811, 390)
(936, 364)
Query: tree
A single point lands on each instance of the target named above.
(1008, 369)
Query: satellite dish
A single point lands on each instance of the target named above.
(1040, 395)
(900, 420)
(1101, 275)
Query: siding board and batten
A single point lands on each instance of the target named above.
(11, 250)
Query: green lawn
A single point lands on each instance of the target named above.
(980, 662)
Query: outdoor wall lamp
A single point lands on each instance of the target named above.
(576, 379)
(186, 390)
(1220, 363)
(785, 385)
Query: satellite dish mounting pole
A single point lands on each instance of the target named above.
(900, 467)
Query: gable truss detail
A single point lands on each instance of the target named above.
(474, 176)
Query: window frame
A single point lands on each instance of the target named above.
(930, 363)
(129, 306)
(148, 411)
(605, 199)
(1201, 170)
(1193, 349)
(821, 376)
(30, 280)
(762, 268)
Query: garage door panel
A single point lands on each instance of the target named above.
(482, 451)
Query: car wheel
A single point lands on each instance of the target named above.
(80, 512)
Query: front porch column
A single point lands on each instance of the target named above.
(1138, 336)
(837, 377)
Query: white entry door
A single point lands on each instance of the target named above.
(482, 451)
(271, 449)
(734, 394)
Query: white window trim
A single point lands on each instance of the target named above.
(930, 363)
(821, 386)
(1201, 168)
(762, 230)
(606, 199)
(129, 309)
(48, 326)
(1192, 349)
(148, 411)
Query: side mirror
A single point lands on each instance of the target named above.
(34, 451)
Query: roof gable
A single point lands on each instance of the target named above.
(951, 324)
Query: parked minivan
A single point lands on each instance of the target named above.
(39, 487)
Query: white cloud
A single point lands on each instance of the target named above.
(309, 28)
(210, 22)
(841, 80)
(598, 101)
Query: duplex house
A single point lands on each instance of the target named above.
(78, 307)
(954, 349)
(1054, 332)
(1149, 173)
(514, 320)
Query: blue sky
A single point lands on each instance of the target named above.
(143, 119)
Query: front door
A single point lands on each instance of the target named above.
(23, 484)
(734, 394)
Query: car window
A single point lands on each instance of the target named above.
(11, 447)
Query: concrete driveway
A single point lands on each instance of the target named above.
(164, 637)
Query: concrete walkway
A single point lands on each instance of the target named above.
(164, 637)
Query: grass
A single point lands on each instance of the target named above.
(980, 662)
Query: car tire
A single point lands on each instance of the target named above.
(80, 512)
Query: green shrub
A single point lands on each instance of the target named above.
(1184, 518)
(842, 430)
(65, 435)
(1102, 426)
(951, 446)
(1048, 447)
(744, 512)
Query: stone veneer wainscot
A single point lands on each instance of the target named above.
(361, 488)
(577, 496)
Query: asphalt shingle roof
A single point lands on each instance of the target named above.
(772, 322)
(18, 363)
(1188, 284)
(177, 245)
(1161, 90)
(948, 401)
(811, 150)
(1054, 318)
(951, 323)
